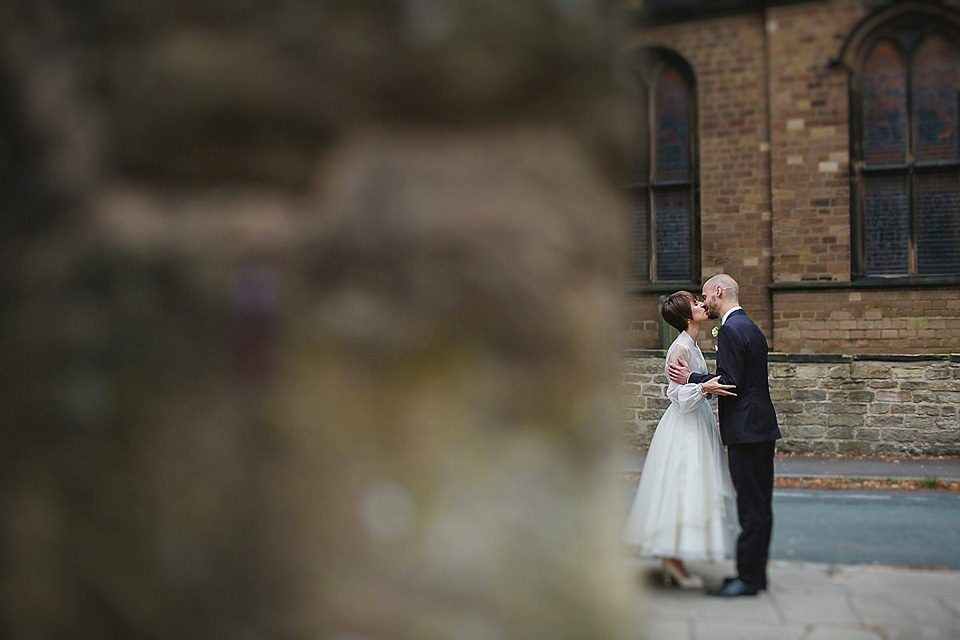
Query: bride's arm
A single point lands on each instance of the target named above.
(686, 396)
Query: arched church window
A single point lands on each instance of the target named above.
(905, 169)
(664, 192)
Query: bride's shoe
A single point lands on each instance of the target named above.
(672, 573)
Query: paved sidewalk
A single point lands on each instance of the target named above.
(811, 601)
(805, 601)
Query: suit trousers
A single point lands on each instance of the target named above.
(751, 469)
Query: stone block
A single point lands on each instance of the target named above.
(901, 373)
(859, 370)
(867, 434)
(890, 448)
(855, 408)
(923, 396)
(900, 435)
(948, 398)
(839, 433)
(893, 395)
(803, 395)
(903, 409)
(648, 415)
(919, 422)
(824, 447)
(858, 396)
(807, 432)
(788, 407)
(885, 421)
(928, 410)
(840, 371)
(845, 420)
(937, 373)
(658, 403)
(780, 395)
(855, 447)
(813, 370)
(940, 436)
(782, 370)
(948, 423)
(789, 445)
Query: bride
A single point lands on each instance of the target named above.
(681, 508)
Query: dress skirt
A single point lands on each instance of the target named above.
(685, 504)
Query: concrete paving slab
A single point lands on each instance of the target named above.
(920, 633)
(879, 579)
(661, 628)
(904, 609)
(807, 601)
(720, 630)
(787, 578)
(842, 633)
(830, 608)
(952, 602)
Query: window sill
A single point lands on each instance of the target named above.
(638, 288)
(910, 282)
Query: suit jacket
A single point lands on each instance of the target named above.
(742, 361)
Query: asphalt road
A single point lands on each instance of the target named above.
(912, 528)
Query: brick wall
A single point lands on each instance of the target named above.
(830, 403)
(855, 322)
(728, 60)
(775, 192)
(809, 140)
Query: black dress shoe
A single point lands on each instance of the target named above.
(735, 588)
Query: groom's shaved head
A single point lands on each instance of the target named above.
(729, 285)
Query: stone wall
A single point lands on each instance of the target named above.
(309, 321)
(869, 404)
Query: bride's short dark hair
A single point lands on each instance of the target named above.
(678, 309)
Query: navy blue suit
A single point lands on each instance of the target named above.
(748, 426)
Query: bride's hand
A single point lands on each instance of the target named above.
(713, 386)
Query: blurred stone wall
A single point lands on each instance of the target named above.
(309, 323)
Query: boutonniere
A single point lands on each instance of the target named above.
(716, 329)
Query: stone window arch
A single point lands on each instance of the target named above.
(904, 64)
(664, 190)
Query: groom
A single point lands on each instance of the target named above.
(748, 427)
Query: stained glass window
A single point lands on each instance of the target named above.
(935, 101)
(910, 150)
(673, 127)
(938, 224)
(664, 194)
(673, 237)
(884, 106)
(887, 226)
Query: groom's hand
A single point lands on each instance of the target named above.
(713, 386)
(679, 371)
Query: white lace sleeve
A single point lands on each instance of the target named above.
(688, 396)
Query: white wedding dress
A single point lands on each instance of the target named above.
(685, 505)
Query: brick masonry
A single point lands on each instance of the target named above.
(775, 185)
(830, 403)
